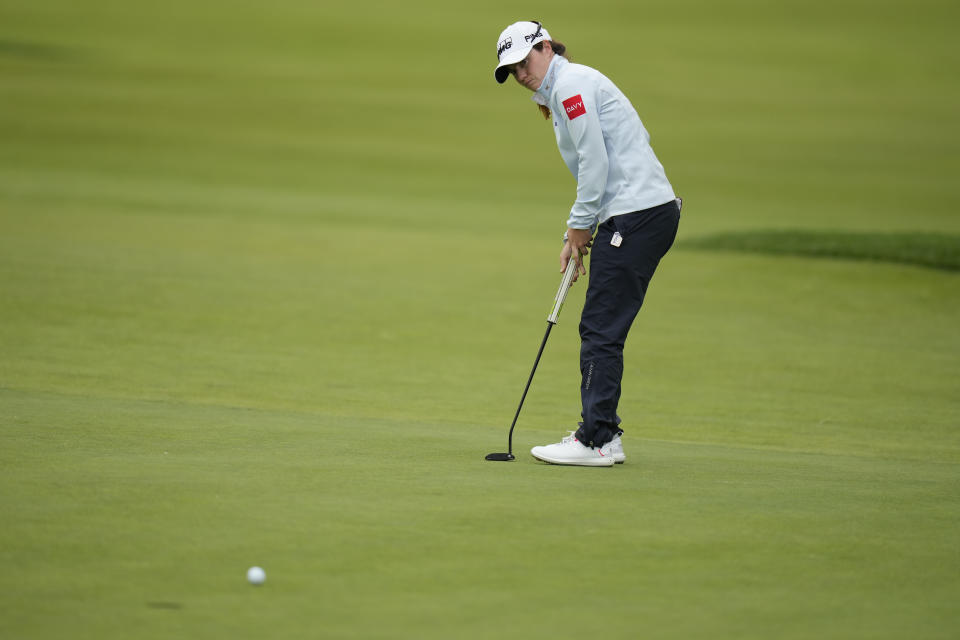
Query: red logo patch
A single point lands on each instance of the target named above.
(574, 107)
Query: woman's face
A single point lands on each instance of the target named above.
(530, 71)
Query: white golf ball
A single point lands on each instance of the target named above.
(256, 575)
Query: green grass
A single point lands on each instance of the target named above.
(933, 250)
(272, 279)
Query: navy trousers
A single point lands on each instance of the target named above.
(619, 277)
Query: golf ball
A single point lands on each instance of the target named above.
(256, 575)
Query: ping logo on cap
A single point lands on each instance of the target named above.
(574, 107)
(502, 46)
(536, 34)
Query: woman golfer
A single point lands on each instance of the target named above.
(623, 197)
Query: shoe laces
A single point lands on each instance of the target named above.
(569, 438)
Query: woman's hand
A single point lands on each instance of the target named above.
(577, 245)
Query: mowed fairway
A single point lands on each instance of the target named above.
(272, 279)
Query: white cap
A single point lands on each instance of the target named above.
(515, 43)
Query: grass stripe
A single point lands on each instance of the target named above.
(924, 249)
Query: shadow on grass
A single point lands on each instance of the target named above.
(931, 250)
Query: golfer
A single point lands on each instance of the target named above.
(625, 210)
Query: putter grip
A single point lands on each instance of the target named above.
(562, 293)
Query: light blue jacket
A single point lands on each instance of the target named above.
(604, 144)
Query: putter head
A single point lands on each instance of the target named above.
(500, 457)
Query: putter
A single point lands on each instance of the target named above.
(551, 320)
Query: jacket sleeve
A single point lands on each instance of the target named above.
(579, 113)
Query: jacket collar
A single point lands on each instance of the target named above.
(543, 94)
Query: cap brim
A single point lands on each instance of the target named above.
(501, 72)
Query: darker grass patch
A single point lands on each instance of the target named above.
(32, 50)
(931, 250)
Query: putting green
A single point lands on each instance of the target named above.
(272, 280)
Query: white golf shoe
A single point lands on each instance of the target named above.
(570, 451)
(616, 448)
